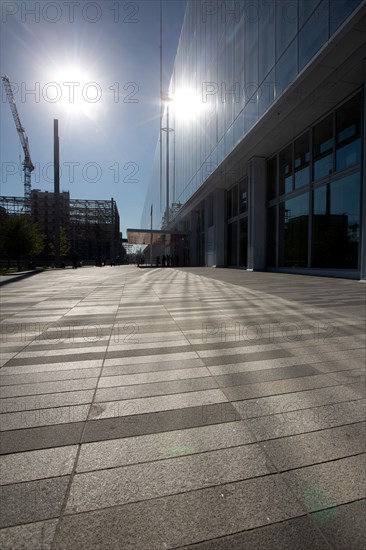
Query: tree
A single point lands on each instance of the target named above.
(65, 244)
(19, 238)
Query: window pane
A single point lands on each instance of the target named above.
(266, 38)
(313, 34)
(285, 166)
(235, 200)
(243, 259)
(232, 243)
(229, 203)
(306, 7)
(272, 178)
(243, 198)
(286, 68)
(323, 148)
(336, 224)
(266, 93)
(294, 220)
(271, 236)
(301, 161)
(339, 11)
(286, 24)
(348, 121)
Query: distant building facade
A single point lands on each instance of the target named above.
(269, 172)
(91, 226)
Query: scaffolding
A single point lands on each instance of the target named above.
(14, 206)
(93, 226)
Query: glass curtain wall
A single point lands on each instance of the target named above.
(313, 220)
(237, 224)
(234, 59)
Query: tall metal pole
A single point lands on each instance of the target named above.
(56, 179)
(151, 234)
(161, 108)
(167, 162)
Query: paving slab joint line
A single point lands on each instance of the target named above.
(308, 514)
(73, 473)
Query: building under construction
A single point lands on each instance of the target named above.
(92, 227)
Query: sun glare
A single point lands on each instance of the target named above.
(186, 104)
(78, 93)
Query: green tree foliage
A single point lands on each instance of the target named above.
(65, 244)
(19, 238)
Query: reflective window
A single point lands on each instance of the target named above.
(232, 243)
(266, 38)
(243, 249)
(306, 7)
(286, 24)
(348, 131)
(271, 178)
(250, 113)
(271, 236)
(294, 220)
(243, 196)
(339, 11)
(302, 161)
(323, 148)
(232, 202)
(336, 223)
(266, 93)
(286, 68)
(313, 34)
(285, 170)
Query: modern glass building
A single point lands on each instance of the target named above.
(261, 161)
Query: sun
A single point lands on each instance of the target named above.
(78, 92)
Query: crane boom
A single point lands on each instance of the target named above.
(28, 166)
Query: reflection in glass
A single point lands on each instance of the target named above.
(286, 68)
(336, 223)
(339, 11)
(313, 34)
(323, 148)
(243, 251)
(267, 45)
(294, 220)
(302, 160)
(348, 131)
(232, 243)
(243, 196)
(285, 170)
(271, 178)
(271, 236)
(286, 24)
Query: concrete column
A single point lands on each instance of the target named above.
(257, 214)
(219, 209)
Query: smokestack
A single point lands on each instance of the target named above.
(56, 178)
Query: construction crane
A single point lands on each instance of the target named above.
(28, 166)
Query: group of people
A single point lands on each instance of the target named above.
(167, 260)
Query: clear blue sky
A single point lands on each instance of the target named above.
(109, 132)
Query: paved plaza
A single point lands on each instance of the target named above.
(195, 408)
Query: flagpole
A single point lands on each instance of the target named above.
(151, 233)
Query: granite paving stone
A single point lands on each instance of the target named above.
(32, 501)
(32, 465)
(181, 519)
(182, 408)
(132, 450)
(31, 536)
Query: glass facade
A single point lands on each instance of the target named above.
(237, 224)
(234, 60)
(317, 219)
